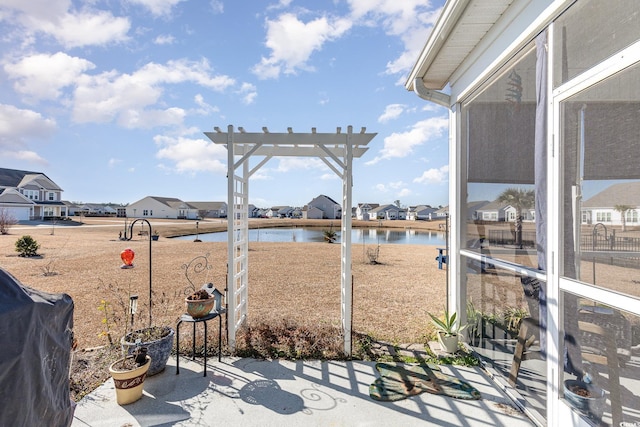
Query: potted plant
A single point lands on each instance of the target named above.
(448, 330)
(200, 303)
(155, 235)
(587, 398)
(157, 339)
(129, 374)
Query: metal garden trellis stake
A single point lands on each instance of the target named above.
(128, 236)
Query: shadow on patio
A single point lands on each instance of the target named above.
(251, 392)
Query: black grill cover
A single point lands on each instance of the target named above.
(35, 353)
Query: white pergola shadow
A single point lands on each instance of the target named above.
(337, 150)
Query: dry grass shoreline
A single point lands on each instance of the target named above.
(295, 281)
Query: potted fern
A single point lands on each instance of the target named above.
(448, 329)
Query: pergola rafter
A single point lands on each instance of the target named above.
(336, 150)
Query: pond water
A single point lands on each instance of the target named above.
(360, 235)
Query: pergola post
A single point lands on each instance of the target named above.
(337, 150)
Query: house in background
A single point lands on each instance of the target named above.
(29, 195)
(602, 206)
(388, 212)
(279, 212)
(330, 208)
(363, 211)
(95, 209)
(420, 213)
(493, 211)
(210, 209)
(161, 207)
(311, 212)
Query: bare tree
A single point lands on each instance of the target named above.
(6, 220)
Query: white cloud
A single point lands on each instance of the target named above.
(68, 26)
(24, 155)
(411, 20)
(113, 162)
(147, 119)
(127, 97)
(292, 42)
(18, 125)
(392, 111)
(43, 76)
(205, 108)
(248, 93)
(217, 6)
(164, 39)
(381, 188)
(434, 176)
(398, 145)
(192, 155)
(157, 7)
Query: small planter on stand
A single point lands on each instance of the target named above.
(588, 399)
(199, 304)
(128, 377)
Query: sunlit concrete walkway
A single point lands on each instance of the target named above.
(249, 392)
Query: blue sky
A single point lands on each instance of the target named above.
(110, 99)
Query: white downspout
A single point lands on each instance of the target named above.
(431, 95)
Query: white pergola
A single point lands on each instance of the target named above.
(337, 150)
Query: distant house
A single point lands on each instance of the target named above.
(72, 208)
(421, 212)
(95, 209)
(441, 213)
(601, 207)
(30, 196)
(330, 208)
(311, 212)
(161, 207)
(210, 209)
(493, 211)
(363, 209)
(473, 208)
(388, 212)
(279, 212)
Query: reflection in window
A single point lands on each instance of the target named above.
(601, 137)
(501, 140)
(501, 306)
(608, 341)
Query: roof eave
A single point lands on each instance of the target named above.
(446, 23)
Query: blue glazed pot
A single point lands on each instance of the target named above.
(159, 350)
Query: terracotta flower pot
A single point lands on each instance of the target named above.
(129, 383)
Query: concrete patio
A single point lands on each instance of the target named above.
(251, 392)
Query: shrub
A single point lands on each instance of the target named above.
(26, 246)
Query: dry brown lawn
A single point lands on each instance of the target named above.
(295, 281)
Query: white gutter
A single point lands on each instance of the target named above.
(430, 95)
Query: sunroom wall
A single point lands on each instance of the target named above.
(486, 64)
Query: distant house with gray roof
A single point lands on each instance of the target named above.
(602, 206)
(162, 207)
(26, 195)
(210, 209)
